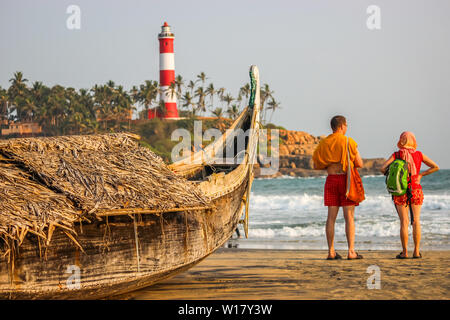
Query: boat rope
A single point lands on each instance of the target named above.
(106, 235)
(186, 237)
(161, 221)
(205, 231)
(137, 244)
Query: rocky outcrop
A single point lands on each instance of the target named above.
(295, 152)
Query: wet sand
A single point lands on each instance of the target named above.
(290, 274)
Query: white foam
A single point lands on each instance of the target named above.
(290, 178)
(307, 202)
(267, 222)
(317, 231)
(366, 229)
(286, 202)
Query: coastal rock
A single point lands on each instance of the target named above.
(295, 157)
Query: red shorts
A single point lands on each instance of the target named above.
(334, 191)
(417, 198)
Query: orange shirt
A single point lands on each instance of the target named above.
(333, 149)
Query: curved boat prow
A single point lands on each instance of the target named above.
(133, 247)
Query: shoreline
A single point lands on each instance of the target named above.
(240, 274)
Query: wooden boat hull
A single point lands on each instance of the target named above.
(125, 252)
(168, 244)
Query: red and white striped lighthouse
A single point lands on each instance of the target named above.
(167, 70)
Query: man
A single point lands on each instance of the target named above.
(331, 154)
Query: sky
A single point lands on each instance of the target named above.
(319, 57)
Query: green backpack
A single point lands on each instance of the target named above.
(397, 178)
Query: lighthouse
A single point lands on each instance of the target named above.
(167, 71)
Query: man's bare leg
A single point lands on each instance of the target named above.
(349, 213)
(329, 230)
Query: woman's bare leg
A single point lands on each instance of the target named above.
(416, 229)
(404, 223)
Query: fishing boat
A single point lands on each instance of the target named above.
(78, 247)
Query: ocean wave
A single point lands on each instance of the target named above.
(287, 177)
(307, 202)
(367, 229)
(381, 229)
(285, 232)
(285, 202)
(268, 222)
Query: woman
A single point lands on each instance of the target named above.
(407, 151)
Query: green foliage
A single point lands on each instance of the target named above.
(273, 126)
(107, 108)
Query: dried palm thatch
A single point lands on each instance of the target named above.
(56, 180)
(27, 206)
(103, 172)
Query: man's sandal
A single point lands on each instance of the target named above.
(399, 256)
(358, 256)
(337, 256)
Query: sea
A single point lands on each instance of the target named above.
(288, 213)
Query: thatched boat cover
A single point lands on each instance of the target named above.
(28, 206)
(54, 177)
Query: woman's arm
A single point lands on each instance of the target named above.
(433, 166)
(386, 164)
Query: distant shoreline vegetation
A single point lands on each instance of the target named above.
(59, 110)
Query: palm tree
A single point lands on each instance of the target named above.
(273, 105)
(220, 93)
(18, 93)
(104, 102)
(28, 109)
(161, 107)
(54, 111)
(4, 106)
(245, 91)
(134, 94)
(202, 77)
(179, 83)
(211, 91)
(187, 99)
(111, 84)
(228, 98)
(191, 86)
(73, 119)
(233, 111)
(265, 94)
(40, 94)
(18, 86)
(239, 99)
(123, 106)
(88, 111)
(218, 112)
(172, 91)
(148, 94)
(200, 94)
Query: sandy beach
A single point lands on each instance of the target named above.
(294, 274)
